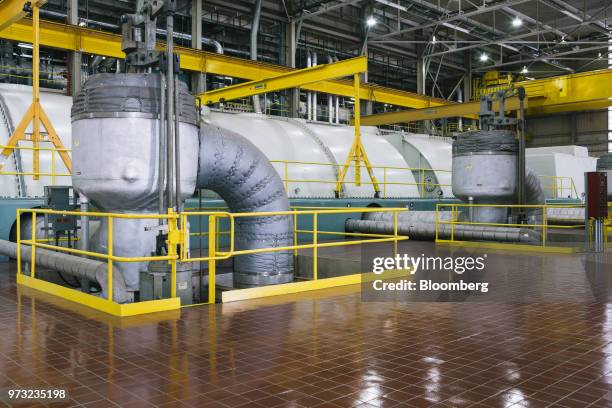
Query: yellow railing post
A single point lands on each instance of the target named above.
(18, 226)
(212, 263)
(422, 182)
(110, 258)
(295, 234)
(173, 237)
(52, 167)
(385, 182)
(544, 226)
(395, 216)
(437, 224)
(453, 209)
(33, 252)
(315, 248)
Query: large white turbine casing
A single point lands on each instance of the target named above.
(560, 161)
(14, 102)
(421, 151)
(299, 140)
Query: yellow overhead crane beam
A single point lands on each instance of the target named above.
(467, 109)
(567, 93)
(75, 38)
(12, 11)
(291, 79)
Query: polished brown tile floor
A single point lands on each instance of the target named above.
(320, 349)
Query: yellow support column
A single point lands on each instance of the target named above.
(33, 251)
(35, 113)
(36, 90)
(212, 263)
(110, 258)
(357, 152)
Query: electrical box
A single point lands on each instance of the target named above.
(58, 198)
(596, 201)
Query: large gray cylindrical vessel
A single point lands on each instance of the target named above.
(485, 172)
(115, 152)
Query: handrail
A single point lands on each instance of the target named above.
(178, 238)
(543, 226)
(110, 257)
(215, 255)
(558, 186)
(422, 184)
(52, 173)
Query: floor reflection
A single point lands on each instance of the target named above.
(327, 349)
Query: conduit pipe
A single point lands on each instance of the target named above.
(309, 93)
(427, 231)
(314, 94)
(254, 32)
(337, 99)
(79, 267)
(421, 225)
(240, 173)
(330, 97)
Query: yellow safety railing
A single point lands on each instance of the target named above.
(459, 216)
(422, 184)
(54, 151)
(215, 254)
(177, 244)
(559, 186)
(34, 242)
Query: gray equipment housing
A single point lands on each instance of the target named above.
(115, 128)
(155, 283)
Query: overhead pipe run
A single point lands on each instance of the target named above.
(313, 105)
(254, 32)
(330, 97)
(337, 99)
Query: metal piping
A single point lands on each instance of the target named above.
(427, 231)
(330, 97)
(337, 99)
(254, 32)
(421, 225)
(170, 110)
(241, 174)
(309, 93)
(162, 148)
(314, 94)
(83, 233)
(213, 43)
(83, 268)
(177, 146)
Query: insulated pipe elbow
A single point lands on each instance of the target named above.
(240, 173)
(534, 196)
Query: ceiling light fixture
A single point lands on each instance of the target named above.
(517, 22)
(524, 70)
(371, 21)
(484, 57)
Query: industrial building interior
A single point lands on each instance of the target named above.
(308, 203)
